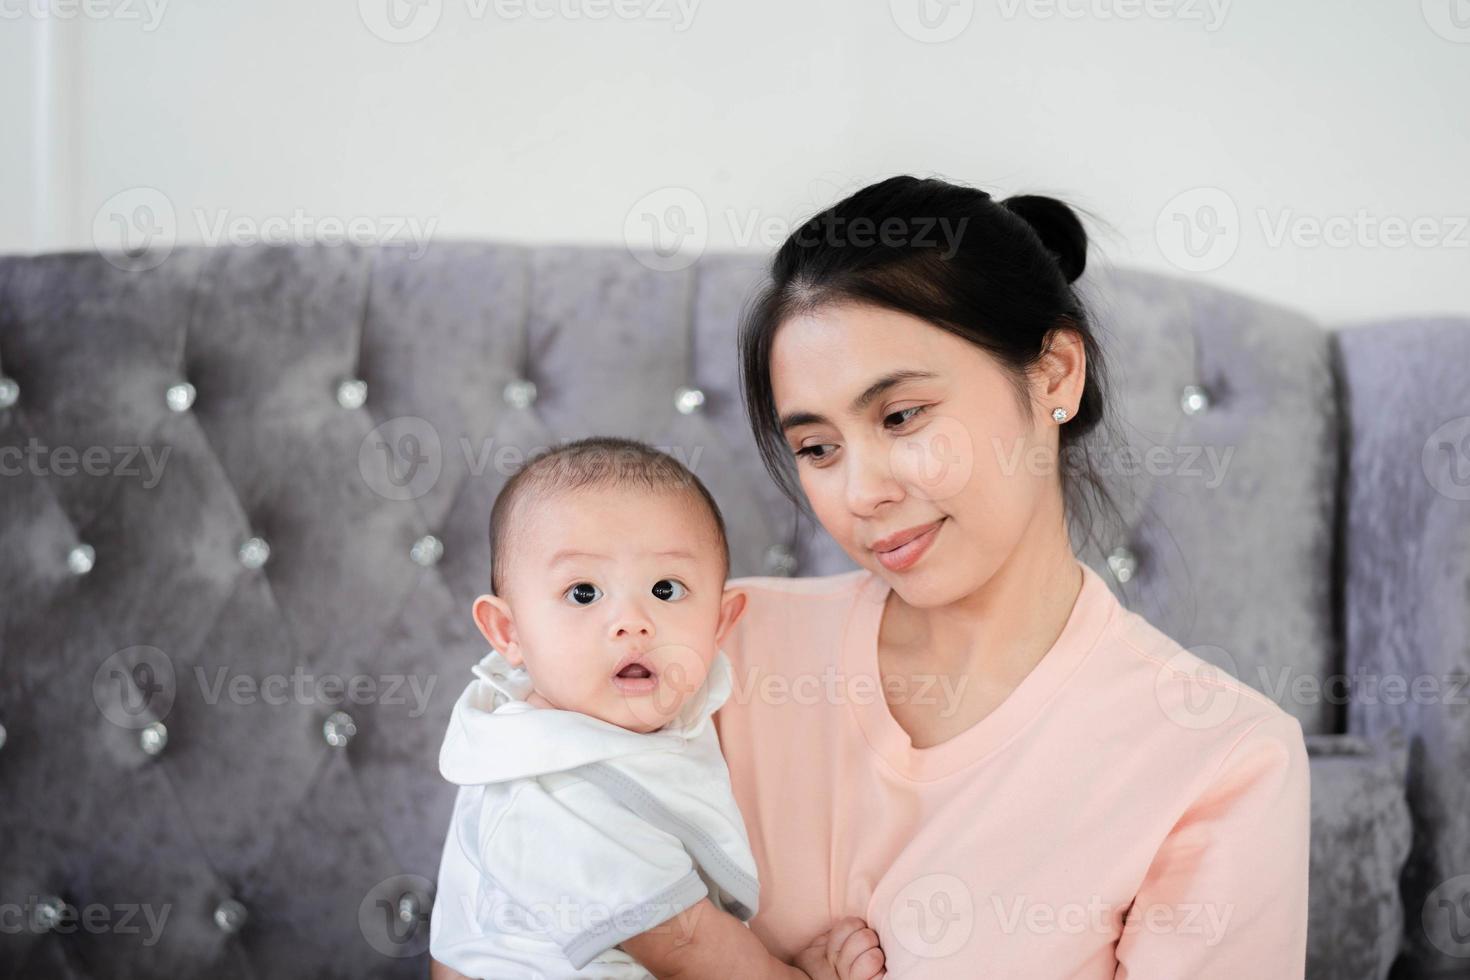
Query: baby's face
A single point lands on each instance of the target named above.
(615, 602)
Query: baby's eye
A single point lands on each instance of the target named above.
(664, 588)
(583, 593)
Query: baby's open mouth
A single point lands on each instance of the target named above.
(635, 670)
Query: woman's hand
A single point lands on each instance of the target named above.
(847, 951)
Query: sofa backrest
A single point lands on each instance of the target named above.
(252, 470)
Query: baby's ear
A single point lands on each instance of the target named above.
(732, 607)
(492, 616)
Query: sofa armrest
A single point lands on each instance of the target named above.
(1361, 832)
(1405, 567)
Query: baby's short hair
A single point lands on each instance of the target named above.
(594, 462)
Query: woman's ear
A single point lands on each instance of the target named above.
(493, 617)
(732, 607)
(1061, 372)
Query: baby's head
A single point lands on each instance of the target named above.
(607, 581)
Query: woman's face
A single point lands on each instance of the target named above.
(902, 429)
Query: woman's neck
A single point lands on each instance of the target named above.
(997, 633)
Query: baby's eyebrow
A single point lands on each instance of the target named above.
(567, 554)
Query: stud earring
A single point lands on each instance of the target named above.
(1060, 414)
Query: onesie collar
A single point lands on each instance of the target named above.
(495, 735)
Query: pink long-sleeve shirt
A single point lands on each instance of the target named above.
(1126, 812)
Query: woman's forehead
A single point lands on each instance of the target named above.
(826, 360)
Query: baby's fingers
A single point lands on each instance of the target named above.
(854, 948)
(861, 957)
(813, 960)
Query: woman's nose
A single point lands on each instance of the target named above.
(870, 481)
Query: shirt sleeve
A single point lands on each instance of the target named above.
(582, 870)
(1226, 894)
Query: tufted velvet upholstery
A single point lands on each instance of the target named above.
(1407, 597)
(130, 618)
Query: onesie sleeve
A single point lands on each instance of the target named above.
(582, 870)
(1226, 894)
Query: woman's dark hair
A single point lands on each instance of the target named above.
(998, 274)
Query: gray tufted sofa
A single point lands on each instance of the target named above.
(243, 517)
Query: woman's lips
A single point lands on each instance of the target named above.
(905, 555)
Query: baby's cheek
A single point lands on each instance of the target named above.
(683, 670)
(586, 693)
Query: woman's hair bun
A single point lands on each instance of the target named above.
(1058, 228)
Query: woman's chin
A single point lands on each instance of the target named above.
(926, 588)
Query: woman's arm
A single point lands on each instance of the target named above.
(1226, 894)
(703, 942)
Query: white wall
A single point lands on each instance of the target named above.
(500, 124)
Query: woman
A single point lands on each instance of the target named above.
(968, 745)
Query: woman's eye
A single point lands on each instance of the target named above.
(670, 589)
(811, 452)
(906, 413)
(583, 593)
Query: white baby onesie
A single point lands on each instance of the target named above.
(571, 834)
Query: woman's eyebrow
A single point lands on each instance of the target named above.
(792, 419)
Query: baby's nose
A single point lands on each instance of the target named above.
(630, 621)
(633, 628)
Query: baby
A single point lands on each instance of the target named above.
(594, 818)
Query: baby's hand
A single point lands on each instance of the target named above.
(847, 951)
